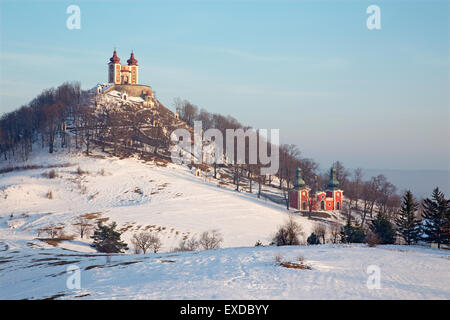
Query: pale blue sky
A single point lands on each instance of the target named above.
(372, 99)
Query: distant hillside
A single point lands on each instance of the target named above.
(421, 182)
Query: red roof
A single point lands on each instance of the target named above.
(132, 61)
(114, 58)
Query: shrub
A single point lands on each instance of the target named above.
(52, 230)
(334, 232)
(372, 239)
(258, 244)
(278, 258)
(287, 234)
(313, 239)
(383, 228)
(80, 172)
(50, 174)
(187, 245)
(352, 234)
(320, 231)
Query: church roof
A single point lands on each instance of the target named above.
(132, 61)
(333, 183)
(299, 183)
(115, 58)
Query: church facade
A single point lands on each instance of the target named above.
(123, 74)
(303, 198)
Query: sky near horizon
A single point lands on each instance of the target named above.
(369, 98)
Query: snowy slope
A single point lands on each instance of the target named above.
(170, 201)
(338, 272)
(138, 196)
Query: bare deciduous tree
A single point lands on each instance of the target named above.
(288, 234)
(334, 231)
(83, 226)
(320, 231)
(210, 239)
(144, 241)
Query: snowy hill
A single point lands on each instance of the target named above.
(169, 200)
(172, 202)
(337, 272)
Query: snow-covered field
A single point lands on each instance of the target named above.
(172, 202)
(338, 272)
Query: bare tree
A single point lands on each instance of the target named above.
(210, 239)
(320, 231)
(190, 244)
(288, 234)
(83, 226)
(52, 230)
(144, 241)
(334, 231)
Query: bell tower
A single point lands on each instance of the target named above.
(114, 69)
(133, 66)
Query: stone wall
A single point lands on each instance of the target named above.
(133, 90)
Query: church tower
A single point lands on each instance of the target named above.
(334, 194)
(114, 69)
(298, 197)
(132, 63)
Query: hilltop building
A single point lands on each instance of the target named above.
(123, 74)
(125, 80)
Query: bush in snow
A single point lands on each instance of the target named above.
(288, 234)
(334, 232)
(52, 230)
(51, 174)
(313, 239)
(187, 245)
(320, 231)
(383, 228)
(107, 239)
(258, 244)
(352, 234)
(372, 239)
(80, 172)
(210, 240)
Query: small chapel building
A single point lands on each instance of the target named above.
(303, 197)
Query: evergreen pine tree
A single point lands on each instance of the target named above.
(436, 215)
(383, 228)
(408, 226)
(352, 234)
(107, 239)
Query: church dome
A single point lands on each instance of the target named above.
(115, 58)
(132, 61)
